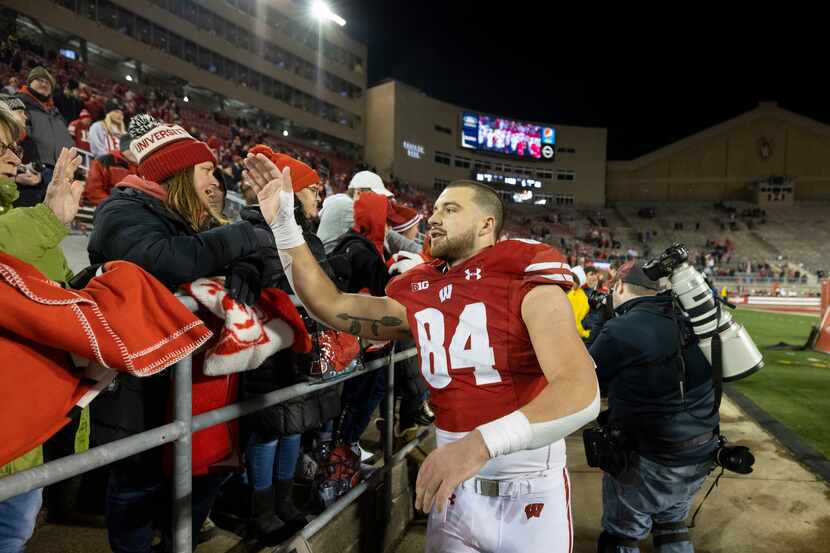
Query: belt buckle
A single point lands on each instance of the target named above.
(487, 488)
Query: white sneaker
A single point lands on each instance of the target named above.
(364, 455)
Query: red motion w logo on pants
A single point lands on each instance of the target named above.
(534, 510)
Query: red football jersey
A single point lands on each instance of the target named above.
(475, 351)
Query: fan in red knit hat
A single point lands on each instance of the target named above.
(162, 149)
(304, 179)
(403, 219)
(184, 167)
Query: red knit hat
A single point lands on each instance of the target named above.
(402, 218)
(163, 150)
(302, 176)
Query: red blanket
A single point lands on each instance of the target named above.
(124, 320)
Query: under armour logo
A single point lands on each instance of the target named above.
(534, 510)
(445, 293)
(473, 274)
(452, 499)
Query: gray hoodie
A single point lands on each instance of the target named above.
(336, 218)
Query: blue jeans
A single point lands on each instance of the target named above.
(17, 520)
(652, 498)
(135, 510)
(269, 461)
(361, 396)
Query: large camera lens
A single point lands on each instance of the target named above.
(740, 356)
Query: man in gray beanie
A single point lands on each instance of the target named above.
(46, 132)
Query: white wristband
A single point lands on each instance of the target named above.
(514, 432)
(287, 233)
(508, 434)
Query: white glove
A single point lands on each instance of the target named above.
(404, 261)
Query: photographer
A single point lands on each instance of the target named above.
(662, 417)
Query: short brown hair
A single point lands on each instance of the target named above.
(487, 198)
(8, 120)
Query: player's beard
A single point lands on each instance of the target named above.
(451, 249)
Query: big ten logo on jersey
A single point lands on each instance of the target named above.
(534, 510)
(418, 286)
(468, 348)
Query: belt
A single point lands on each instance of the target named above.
(646, 446)
(487, 488)
(513, 487)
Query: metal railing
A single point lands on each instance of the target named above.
(86, 158)
(184, 424)
(750, 278)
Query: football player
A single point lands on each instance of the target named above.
(508, 374)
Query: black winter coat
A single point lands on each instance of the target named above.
(358, 265)
(134, 226)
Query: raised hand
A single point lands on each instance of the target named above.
(63, 195)
(268, 182)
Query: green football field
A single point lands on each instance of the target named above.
(793, 386)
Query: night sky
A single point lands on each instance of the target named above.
(545, 65)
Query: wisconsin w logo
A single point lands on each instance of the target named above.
(445, 293)
(534, 510)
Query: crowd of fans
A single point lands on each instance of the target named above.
(98, 109)
(165, 213)
(161, 205)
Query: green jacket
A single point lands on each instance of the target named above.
(33, 235)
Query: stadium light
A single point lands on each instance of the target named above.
(322, 11)
(129, 78)
(185, 99)
(285, 132)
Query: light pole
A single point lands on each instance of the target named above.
(322, 11)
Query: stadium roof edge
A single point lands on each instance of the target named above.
(763, 109)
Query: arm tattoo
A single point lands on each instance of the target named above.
(355, 326)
